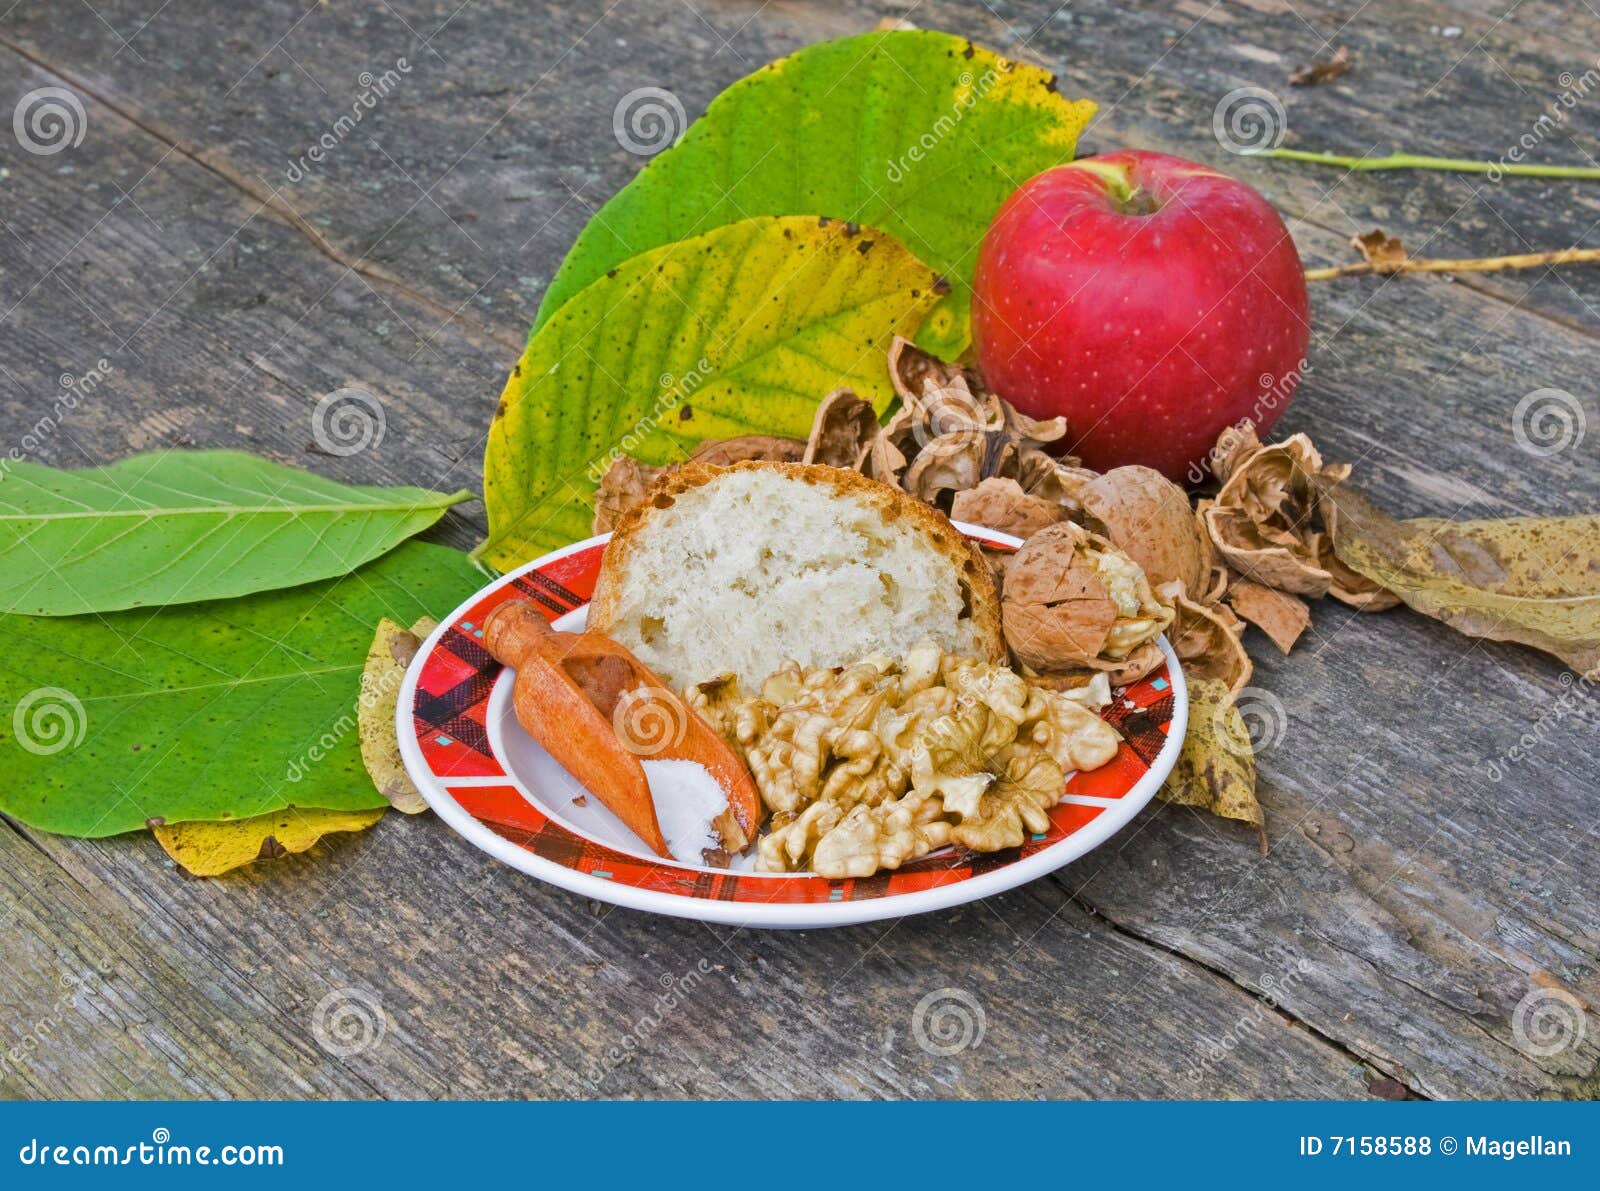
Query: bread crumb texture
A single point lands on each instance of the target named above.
(758, 567)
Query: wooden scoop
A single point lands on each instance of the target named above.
(600, 712)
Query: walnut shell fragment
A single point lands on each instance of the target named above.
(1148, 517)
(725, 452)
(1262, 519)
(1074, 601)
(1278, 614)
(1206, 637)
(1001, 503)
(621, 488)
(955, 434)
(842, 432)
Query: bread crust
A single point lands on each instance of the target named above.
(893, 505)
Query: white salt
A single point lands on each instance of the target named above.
(687, 799)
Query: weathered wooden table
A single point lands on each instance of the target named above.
(1410, 902)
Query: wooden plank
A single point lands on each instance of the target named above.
(479, 186)
(495, 985)
(1425, 898)
(98, 1005)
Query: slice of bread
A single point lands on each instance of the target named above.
(740, 569)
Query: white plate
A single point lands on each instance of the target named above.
(493, 784)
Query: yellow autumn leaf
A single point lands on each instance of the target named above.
(1217, 768)
(740, 331)
(208, 848)
(1532, 580)
(392, 650)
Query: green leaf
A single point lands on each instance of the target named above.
(180, 526)
(919, 133)
(741, 331)
(220, 710)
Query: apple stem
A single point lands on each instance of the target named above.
(1484, 264)
(1413, 161)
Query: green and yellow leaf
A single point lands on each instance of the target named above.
(916, 132)
(740, 331)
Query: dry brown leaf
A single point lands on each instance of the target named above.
(1149, 518)
(1206, 637)
(843, 431)
(1000, 503)
(1324, 71)
(1217, 768)
(1532, 580)
(391, 652)
(211, 848)
(1281, 616)
(1378, 248)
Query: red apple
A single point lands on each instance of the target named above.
(1151, 300)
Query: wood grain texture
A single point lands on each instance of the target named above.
(1410, 901)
